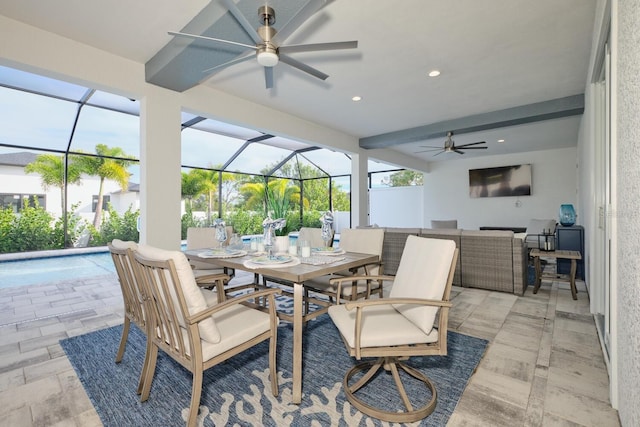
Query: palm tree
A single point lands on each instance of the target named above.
(275, 198)
(51, 170)
(192, 185)
(109, 164)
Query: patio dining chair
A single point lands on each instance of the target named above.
(133, 296)
(404, 324)
(195, 335)
(360, 240)
(206, 274)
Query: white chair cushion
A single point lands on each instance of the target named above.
(237, 325)
(120, 244)
(364, 241)
(422, 273)
(312, 235)
(192, 294)
(205, 237)
(210, 297)
(382, 326)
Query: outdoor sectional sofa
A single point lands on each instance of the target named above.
(488, 259)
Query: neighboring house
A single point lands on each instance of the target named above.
(16, 184)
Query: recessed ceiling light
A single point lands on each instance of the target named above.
(356, 98)
(501, 140)
(434, 73)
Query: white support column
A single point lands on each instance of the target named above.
(160, 169)
(359, 190)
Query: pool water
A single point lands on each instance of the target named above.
(55, 269)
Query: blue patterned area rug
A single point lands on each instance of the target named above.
(237, 392)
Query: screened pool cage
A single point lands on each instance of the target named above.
(61, 125)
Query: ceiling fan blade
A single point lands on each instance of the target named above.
(296, 20)
(458, 151)
(303, 67)
(317, 46)
(473, 143)
(243, 21)
(244, 57)
(211, 39)
(462, 147)
(268, 77)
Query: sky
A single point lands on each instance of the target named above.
(37, 121)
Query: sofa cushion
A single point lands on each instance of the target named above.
(444, 224)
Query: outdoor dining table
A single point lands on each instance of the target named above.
(296, 275)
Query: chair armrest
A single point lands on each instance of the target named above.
(339, 280)
(386, 301)
(367, 278)
(208, 278)
(198, 317)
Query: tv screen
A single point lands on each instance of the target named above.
(503, 181)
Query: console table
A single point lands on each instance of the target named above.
(570, 256)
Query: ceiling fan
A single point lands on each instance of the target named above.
(268, 49)
(451, 147)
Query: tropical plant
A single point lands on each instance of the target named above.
(192, 186)
(115, 226)
(109, 163)
(51, 168)
(188, 220)
(206, 182)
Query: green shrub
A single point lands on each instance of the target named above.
(115, 226)
(7, 218)
(245, 222)
(31, 229)
(188, 220)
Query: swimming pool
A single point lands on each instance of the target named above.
(45, 270)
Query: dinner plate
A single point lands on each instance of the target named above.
(327, 251)
(276, 259)
(221, 253)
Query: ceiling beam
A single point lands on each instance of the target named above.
(546, 110)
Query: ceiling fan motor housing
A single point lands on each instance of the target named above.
(267, 53)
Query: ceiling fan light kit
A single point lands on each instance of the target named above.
(269, 48)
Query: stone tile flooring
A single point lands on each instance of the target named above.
(544, 366)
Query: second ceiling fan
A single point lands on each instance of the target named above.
(451, 147)
(268, 49)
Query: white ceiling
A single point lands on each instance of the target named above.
(493, 55)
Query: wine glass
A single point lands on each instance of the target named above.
(221, 234)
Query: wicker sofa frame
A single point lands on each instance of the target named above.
(487, 259)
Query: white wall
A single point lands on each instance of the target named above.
(554, 181)
(14, 180)
(396, 207)
(626, 54)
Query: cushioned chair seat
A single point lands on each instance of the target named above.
(381, 326)
(237, 325)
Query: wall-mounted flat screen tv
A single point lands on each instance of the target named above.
(503, 181)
